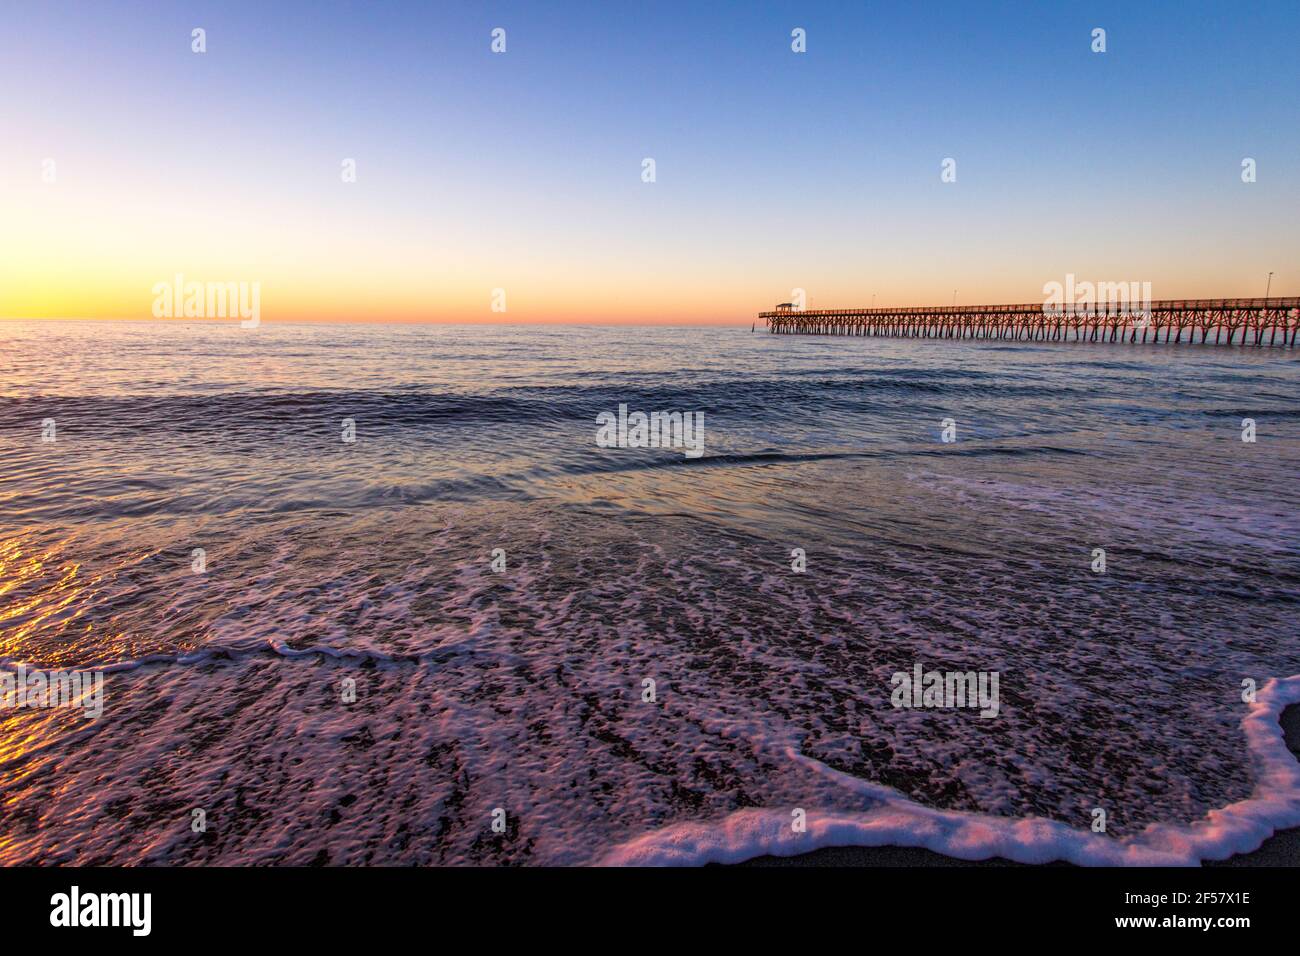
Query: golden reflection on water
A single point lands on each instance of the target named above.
(42, 594)
(51, 608)
(32, 740)
(27, 607)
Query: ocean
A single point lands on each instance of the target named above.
(375, 594)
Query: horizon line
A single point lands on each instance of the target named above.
(234, 320)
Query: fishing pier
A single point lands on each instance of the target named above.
(1255, 322)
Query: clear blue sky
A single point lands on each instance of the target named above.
(774, 169)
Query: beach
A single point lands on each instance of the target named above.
(1281, 849)
(378, 595)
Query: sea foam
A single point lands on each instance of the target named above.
(1237, 828)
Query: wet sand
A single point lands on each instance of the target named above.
(1282, 849)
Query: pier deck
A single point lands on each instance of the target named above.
(1259, 322)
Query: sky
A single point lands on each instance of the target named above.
(523, 171)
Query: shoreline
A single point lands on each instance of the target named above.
(1281, 849)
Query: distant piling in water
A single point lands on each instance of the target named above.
(1258, 322)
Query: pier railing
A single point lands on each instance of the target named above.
(1271, 321)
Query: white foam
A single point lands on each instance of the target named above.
(1237, 828)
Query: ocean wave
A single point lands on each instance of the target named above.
(1239, 827)
(416, 406)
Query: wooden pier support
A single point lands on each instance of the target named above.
(1255, 322)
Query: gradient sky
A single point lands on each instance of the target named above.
(523, 171)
